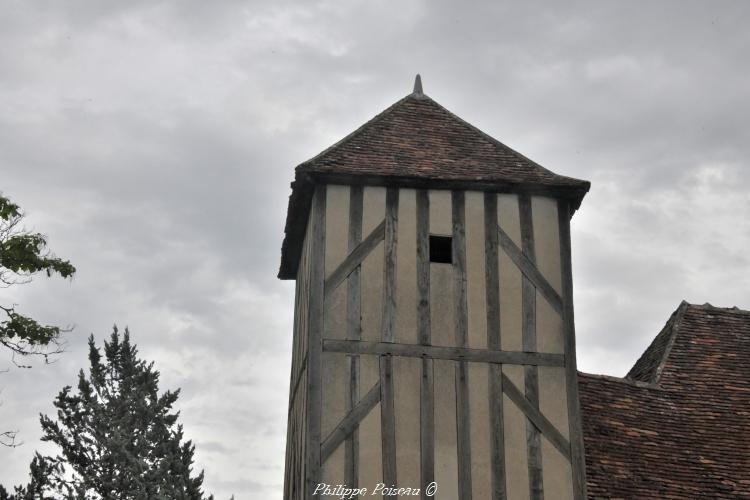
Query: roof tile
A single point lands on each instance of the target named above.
(686, 434)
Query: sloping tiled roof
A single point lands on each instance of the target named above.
(418, 138)
(678, 426)
(649, 365)
(416, 142)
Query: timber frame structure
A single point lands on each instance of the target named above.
(380, 327)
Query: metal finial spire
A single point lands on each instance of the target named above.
(418, 85)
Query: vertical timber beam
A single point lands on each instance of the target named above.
(497, 438)
(577, 452)
(315, 336)
(387, 412)
(463, 427)
(529, 344)
(427, 402)
(353, 332)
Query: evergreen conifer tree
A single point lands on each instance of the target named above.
(118, 437)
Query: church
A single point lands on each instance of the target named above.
(434, 351)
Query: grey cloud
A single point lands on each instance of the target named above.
(154, 143)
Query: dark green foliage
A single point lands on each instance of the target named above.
(118, 437)
(23, 254)
(41, 472)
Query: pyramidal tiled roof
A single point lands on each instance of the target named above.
(678, 426)
(418, 138)
(418, 143)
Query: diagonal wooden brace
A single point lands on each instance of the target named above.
(350, 422)
(529, 270)
(541, 422)
(355, 258)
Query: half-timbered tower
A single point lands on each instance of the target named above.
(433, 334)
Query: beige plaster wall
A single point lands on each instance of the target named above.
(547, 245)
(510, 276)
(516, 461)
(481, 473)
(446, 459)
(370, 457)
(553, 404)
(335, 372)
(557, 474)
(406, 268)
(475, 270)
(407, 374)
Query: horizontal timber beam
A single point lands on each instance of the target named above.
(528, 268)
(355, 258)
(439, 352)
(350, 422)
(541, 422)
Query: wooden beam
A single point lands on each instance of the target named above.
(426, 396)
(387, 421)
(353, 299)
(577, 452)
(492, 294)
(297, 380)
(541, 422)
(353, 332)
(529, 344)
(440, 352)
(389, 266)
(573, 193)
(529, 270)
(461, 314)
(427, 428)
(350, 422)
(387, 409)
(315, 336)
(300, 201)
(354, 259)
(423, 267)
(461, 318)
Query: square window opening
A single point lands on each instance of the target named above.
(441, 249)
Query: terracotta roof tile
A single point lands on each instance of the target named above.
(686, 435)
(418, 138)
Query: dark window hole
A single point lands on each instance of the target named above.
(441, 249)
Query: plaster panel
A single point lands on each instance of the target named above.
(406, 268)
(446, 461)
(547, 239)
(407, 374)
(510, 304)
(508, 218)
(475, 273)
(441, 212)
(370, 457)
(516, 462)
(557, 475)
(549, 327)
(481, 470)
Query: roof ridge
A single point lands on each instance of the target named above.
(679, 315)
(650, 364)
(711, 307)
(622, 380)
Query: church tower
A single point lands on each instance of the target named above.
(434, 337)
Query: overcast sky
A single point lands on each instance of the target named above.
(154, 143)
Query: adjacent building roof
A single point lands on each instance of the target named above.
(678, 425)
(416, 142)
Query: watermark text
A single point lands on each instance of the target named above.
(347, 493)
